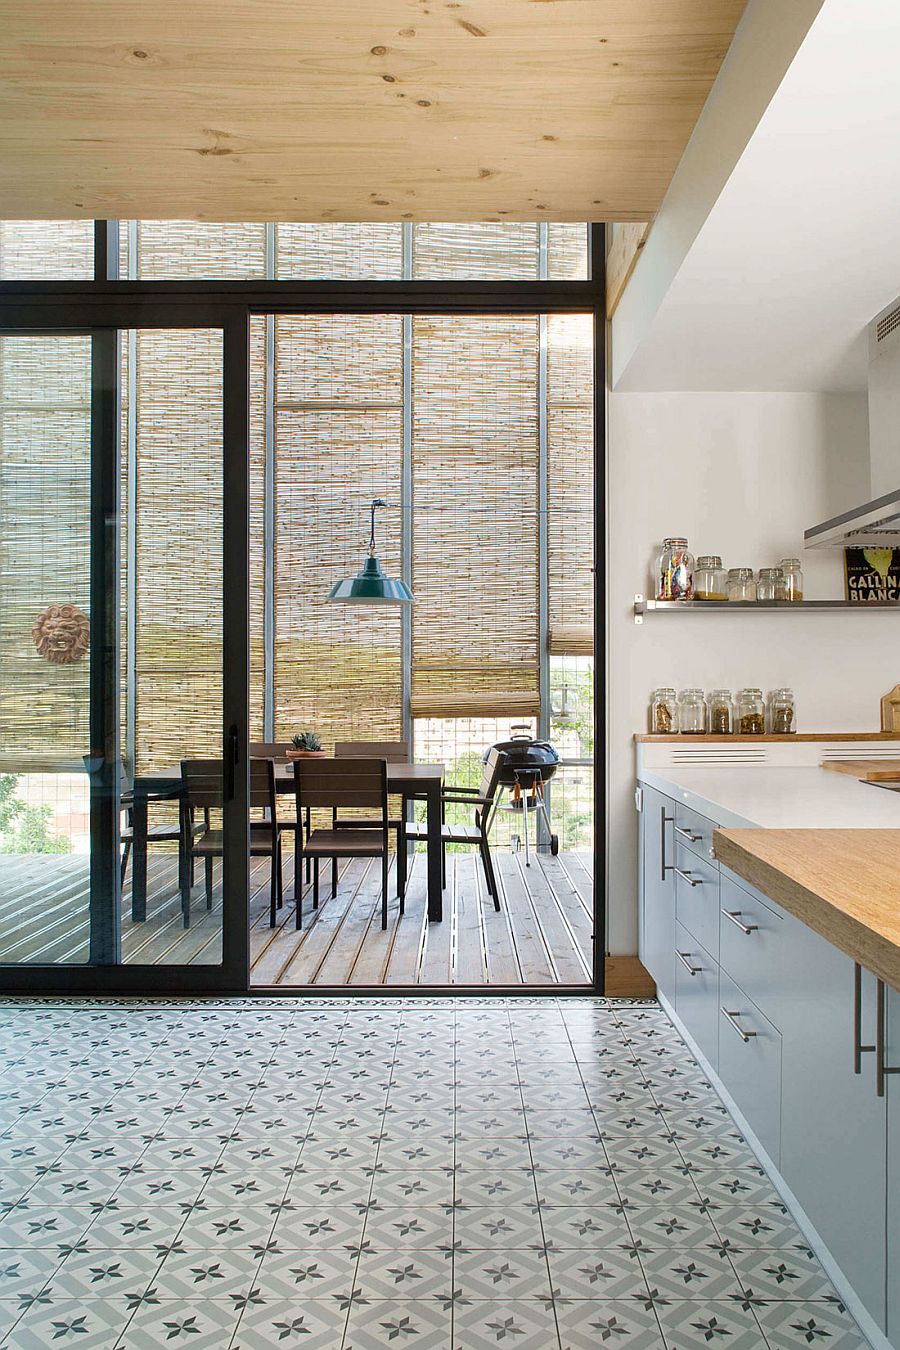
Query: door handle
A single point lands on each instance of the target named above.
(691, 970)
(858, 1048)
(686, 834)
(732, 1020)
(664, 820)
(882, 1068)
(232, 751)
(735, 916)
(686, 876)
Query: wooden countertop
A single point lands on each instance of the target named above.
(844, 884)
(755, 740)
(867, 770)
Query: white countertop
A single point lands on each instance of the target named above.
(738, 796)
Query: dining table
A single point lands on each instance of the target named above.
(423, 782)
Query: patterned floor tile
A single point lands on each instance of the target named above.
(318, 1227)
(506, 1274)
(589, 1324)
(688, 1325)
(205, 1274)
(693, 1273)
(313, 1324)
(529, 1325)
(781, 1274)
(308, 1274)
(788, 1326)
(423, 1323)
(510, 1187)
(405, 1228)
(93, 1325)
(406, 1190)
(597, 1274)
(401, 1275)
(113, 1273)
(756, 1227)
(502, 1225)
(203, 1325)
(683, 1225)
(26, 1270)
(569, 1226)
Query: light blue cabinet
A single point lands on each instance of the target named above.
(657, 900)
(697, 992)
(892, 1098)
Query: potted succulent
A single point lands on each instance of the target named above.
(306, 746)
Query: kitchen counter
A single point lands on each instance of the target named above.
(776, 798)
(842, 883)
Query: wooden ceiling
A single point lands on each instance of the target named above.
(351, 109)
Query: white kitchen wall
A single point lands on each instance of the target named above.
(742, 475)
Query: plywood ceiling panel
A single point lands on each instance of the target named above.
(351, 109)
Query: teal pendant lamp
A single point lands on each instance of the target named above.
(370, 586)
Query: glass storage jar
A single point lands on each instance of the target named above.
(781, 712)
(793, 579)
(663, 707)
(770, 585)
(741, 586)
(675, 571)
(710, 578)
(751, 713)
(692, 712)
(721, 712)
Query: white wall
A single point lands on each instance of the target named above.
(741, 475)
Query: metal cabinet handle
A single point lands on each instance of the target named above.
(882, 1068)
(664, 820)
(691, 970)
(735, 916)
(686, 876)
(732, 1019)
(686, 834)
(858, 1048)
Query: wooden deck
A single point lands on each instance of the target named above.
(542, 935)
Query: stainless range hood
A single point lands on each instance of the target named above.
(875, 523)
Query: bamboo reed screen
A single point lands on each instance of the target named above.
(45, 446)
(46, 250)
(570, 483)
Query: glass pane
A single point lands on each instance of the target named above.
(46, 250)
(45, 461)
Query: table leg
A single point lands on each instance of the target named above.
(435, 889)
(139, 858)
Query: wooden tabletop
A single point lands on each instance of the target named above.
(869, 770)
(844, 884)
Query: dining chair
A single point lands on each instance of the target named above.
(168, 832)
(393, 752)
(278, 751)
(202, 789)
(343, 784)
(483, 802)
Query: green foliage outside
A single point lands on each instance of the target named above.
(26, 828)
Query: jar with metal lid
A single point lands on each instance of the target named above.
(770, 585)
(663, 709)
(675, 571)
(721, 712)
(781, 712)
(692, 712)
(710, 578)
(751, 713)
(793, 579)
(741, 585)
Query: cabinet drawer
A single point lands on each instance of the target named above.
(750, 1063)
(694, 831)
(697, 897)
(697, 992)
(754, 948)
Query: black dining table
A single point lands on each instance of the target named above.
(418, 781)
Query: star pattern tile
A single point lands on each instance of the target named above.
(339, 1174)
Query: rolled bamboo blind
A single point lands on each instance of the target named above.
(45, 446)
(570, 483)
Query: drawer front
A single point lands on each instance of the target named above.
(697, 897)
(754, 948)
(694, 831)
(750, 1063)
(697, 992)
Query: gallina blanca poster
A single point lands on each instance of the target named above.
(872, 574)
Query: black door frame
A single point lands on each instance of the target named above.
(104, 306)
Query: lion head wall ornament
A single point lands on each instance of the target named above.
(62, 634)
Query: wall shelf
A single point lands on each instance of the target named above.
(643, 606)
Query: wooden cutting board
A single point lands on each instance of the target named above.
(869, 770)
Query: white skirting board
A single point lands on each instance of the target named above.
(863, 1317)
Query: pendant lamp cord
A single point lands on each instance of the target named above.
(377, 502)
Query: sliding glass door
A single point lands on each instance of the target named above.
(116, 854)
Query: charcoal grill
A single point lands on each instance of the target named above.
(528, 766)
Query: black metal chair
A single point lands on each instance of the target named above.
(483, 802)
(343, 784)
(202, 789)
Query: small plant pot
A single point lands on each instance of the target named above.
(307, 754)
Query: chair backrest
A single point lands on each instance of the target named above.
(262, 786)
(202, 783)
(276, 750)
(341, 782)
(490, 777)
(395, 752)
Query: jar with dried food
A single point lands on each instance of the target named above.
(741, 585)
(663, 708)
(751, 713)
(793, 579)
(710, 578)
(692, 712)
(770, 585)
(721, 712)
(675, 571)
(781, 712)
